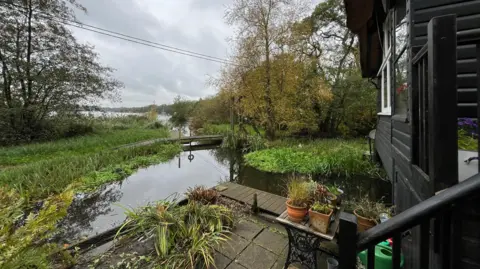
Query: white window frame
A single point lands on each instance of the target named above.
(385, 71)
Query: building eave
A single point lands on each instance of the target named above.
(365, 19)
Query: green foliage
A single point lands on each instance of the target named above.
(40, 78)
(43, 178)
(299, 192)
(184, 236)
(155, 125)
(370, 209)
(321, 208)
(333, 190)
(254, 142)
(245, 142)
(327, 157)
(26, 246)
(211, 110)
(123, 168)
(10, 156)
(181, 111)
(466, 142)
(202, 195)
(224, 129)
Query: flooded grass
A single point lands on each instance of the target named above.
(66, 148)
(327, 157)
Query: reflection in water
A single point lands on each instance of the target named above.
(98, 213)
(101, 211)
(354, 187)
(85, 208)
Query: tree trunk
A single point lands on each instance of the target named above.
(268, 99)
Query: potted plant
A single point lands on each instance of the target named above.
(335, 195)
(367, 213)
(299, 196)
(320, 216)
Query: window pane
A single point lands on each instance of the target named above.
(401, 87)
(400, 36)
(400, 68)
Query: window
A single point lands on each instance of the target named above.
(385, 69)
(401, 68)
(393, 71)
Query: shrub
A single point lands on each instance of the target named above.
(77, 129)
(183, 236)
(155, 125)
(27, 246)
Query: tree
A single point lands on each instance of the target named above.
(262, 25)
(324, 35)
(44, 69)
(181, 111)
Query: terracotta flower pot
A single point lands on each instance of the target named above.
(296, 213)
(363, 223)
(320, 221)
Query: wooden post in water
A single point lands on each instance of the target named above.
(255, 204)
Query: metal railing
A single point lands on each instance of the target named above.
(438, 207)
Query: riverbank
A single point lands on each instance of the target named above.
(38, 181)
(104, 137)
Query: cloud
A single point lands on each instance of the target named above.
(153, 75)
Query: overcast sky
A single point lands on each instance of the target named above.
(149, 74)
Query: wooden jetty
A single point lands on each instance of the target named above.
(211, 139)
(269, 202)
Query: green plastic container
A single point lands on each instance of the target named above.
(383, 256)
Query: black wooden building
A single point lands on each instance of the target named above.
(424, 57)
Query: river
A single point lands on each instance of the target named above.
(97, 212)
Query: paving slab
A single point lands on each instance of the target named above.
(247, 229)
(272, 241)
(256, 257)
(281, 259)
(221, 262)
(232, 247)
(234, 265)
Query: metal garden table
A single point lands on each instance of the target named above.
(304, 241)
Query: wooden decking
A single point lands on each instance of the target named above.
(269, 202)
(182, 140)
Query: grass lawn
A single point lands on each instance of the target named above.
(11, 156)
(326, 157)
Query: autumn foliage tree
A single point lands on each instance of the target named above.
(296, 70)
(44, 69)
